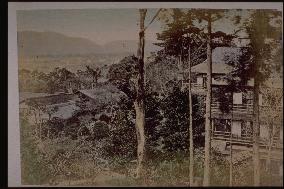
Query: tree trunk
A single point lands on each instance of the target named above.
(231, 160)
(40, 124)
(191, 147)
(179, 61)
(270, 144)
(139, 100)
(231, 145)
(36, 124)
(35, 117)
(140, 124)
(206, 179)
(256, 160)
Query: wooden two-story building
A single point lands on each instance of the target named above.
(232, 112)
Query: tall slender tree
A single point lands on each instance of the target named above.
(192, 35)
(223, 39)
(263, 29)
(139, 103)
(191, 146)
(180, 37)
(206, 180)
(184, 40)
(259, 29)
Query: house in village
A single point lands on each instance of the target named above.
(43, 107)
(36, 106)
(232, 119)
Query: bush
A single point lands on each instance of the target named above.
(122, 137)
(101, 130)
(34, 168)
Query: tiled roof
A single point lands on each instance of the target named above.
(219, 56)
(106, 93)
(221, 68)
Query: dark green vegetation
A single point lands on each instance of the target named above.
(63, 161)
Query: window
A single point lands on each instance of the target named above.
(222, 125)
(237, 98)
(200, 80)
(246, 129)
(264, 132)
(237, 128)
(217, 125)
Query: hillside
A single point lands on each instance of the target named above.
(120, 46)
(33, 43)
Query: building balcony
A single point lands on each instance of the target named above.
(235, 111)
(246, 140)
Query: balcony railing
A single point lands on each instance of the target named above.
(245, 139)
(233, 109)
(198, 86)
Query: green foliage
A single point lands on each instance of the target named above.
(259, 58)
(173, 172)
(182, 31)
(101, 130)
(32, 81)
(179, 32)
(59, 78)
(54, 127)
(122, 132)
(95, 73)
(160, 74)
(153, 118)
(174, 131)
(123, 73)
(219, 170)
(51, 82)
(34, 168)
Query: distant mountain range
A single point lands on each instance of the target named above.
(33, 43)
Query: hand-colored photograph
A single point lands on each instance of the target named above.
(150, 97)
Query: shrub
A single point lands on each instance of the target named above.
(34, 168)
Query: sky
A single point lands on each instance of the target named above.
(98, 25)
(101, 25)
